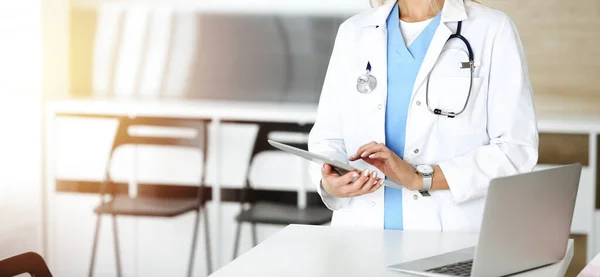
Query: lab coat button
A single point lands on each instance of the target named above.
(372, 203)
(415, 197)
(416, 151)
(379, 106)
(418, 103)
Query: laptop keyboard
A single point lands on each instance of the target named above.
(457, 269)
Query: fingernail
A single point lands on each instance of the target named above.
(381, 182)
(374, 174)
(366, 172)
(371, 156)
(363, 154)
(355, 175)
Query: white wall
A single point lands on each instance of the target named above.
(20, 95)
(316, 6)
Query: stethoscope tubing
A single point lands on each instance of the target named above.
(440, 112)
(366, 83)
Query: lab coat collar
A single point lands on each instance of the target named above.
(453, 10)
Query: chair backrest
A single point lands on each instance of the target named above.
(29, 262)
(265, 131)
(125, 135)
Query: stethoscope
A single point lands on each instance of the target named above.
(366, 82)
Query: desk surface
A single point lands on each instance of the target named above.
(203, 109)
(300, 250)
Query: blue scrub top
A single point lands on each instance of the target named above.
(403, 64)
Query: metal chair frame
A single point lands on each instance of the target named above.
(122, 138)
(261, 145)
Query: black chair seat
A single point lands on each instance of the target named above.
(282, 214)
(140, 206)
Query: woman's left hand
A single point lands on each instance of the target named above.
(396, 169)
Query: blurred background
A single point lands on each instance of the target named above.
(71, 71)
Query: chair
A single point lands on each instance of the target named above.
(30, 262)
(154, 206)
(272, 212)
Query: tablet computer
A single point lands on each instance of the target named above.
(341, 167)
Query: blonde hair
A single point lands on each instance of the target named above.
(432, 3)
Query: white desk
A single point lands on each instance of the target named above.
(300, 250)
(194, 109)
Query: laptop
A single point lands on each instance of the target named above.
(526, 225)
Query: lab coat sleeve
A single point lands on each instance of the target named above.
(326, 135)
(511, 124)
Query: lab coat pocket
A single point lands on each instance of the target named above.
(451, 94)
(360, 109)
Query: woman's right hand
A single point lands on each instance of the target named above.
(344, 186)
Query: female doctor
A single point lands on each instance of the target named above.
(433, 95)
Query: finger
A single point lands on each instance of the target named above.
(382, 155)
(337, 181)
(348, 177)
(376, 186)
(369, 184)
(360, 152)
(372, 162)
(327, 170)
(361, 149)
(372, 150)
(358, 183)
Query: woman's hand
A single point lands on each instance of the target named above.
(396, 169)
(344, 186)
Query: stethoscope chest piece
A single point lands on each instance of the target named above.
(366, 83)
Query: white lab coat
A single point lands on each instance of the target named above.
(495, 136)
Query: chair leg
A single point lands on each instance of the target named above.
(194, 241)
(209, 268)
(238, 232)
(95, 245)
(116, 242)
(254, 235)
